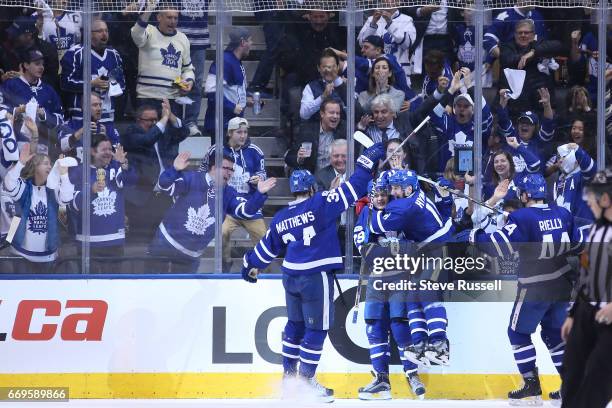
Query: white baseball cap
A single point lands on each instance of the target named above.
(236, 122)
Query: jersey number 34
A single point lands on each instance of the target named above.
(307, 235)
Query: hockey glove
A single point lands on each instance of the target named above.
(370, 156)
(248, 274)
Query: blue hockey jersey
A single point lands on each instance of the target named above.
(248, 162)
(502, 28)
(18, 91)
(234, 90)
(552, 227)
(454, 133)
(109, 65)
(308, 230)
(522, 163)
(416, 217)
(568, 188)
(72, 126)
(193, 22)
(431, 84)
(107, 208)
(188, 225)
(464, 37)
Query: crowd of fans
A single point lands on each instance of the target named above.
(148, 80)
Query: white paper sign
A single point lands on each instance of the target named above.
(516, 80)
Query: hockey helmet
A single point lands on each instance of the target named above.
(378, 185)
(534, 185)
(601, 182)
(301, 181)
(404, 178)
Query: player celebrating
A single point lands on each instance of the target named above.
(414, 215)
(385, 311)
(543, 284)
(307, 229)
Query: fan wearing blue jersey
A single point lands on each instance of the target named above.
(458, 128)
(106, 77)
(188, 226)
(576, 167)
(525, 130)
(385, 311)
(15, 93)
(543, 235)
(307, 230)
(417, 218)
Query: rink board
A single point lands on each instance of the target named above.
(219, 338)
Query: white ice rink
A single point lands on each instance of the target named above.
(267, 403)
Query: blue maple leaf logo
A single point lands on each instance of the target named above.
(38, 219)
(171, 56)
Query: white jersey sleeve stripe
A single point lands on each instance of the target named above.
(352, 190)
(266, 250)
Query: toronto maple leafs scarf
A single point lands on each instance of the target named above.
(25, 202)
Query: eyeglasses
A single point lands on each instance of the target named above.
(148, 119)
(524, 32)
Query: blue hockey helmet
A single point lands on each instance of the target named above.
(301, 181)
(404, 178)
(534, 185)
(378, 185)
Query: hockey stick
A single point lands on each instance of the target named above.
(362, 269)
(462, 195)
(367, 142)
(398, 148)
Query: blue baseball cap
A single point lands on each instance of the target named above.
(529, 116)
(21, 25)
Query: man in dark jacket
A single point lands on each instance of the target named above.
(314, 138)
(525, 53)
(152, 145)
(22, 36)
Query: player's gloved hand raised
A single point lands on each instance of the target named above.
(370, 156)
(444, 182)
(443, 192)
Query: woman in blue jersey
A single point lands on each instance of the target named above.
(37, 237)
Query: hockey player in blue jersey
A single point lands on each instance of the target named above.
(386, 312)
(544, 236)
(576, 167)
(417, 218)
(307, 230)
(188, 226)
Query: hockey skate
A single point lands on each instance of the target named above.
(416, 385)
(438, 352)
(555, 398)
(415, 353)
(530, 394)
(290, 388)
(378, 389)
(313, 391)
